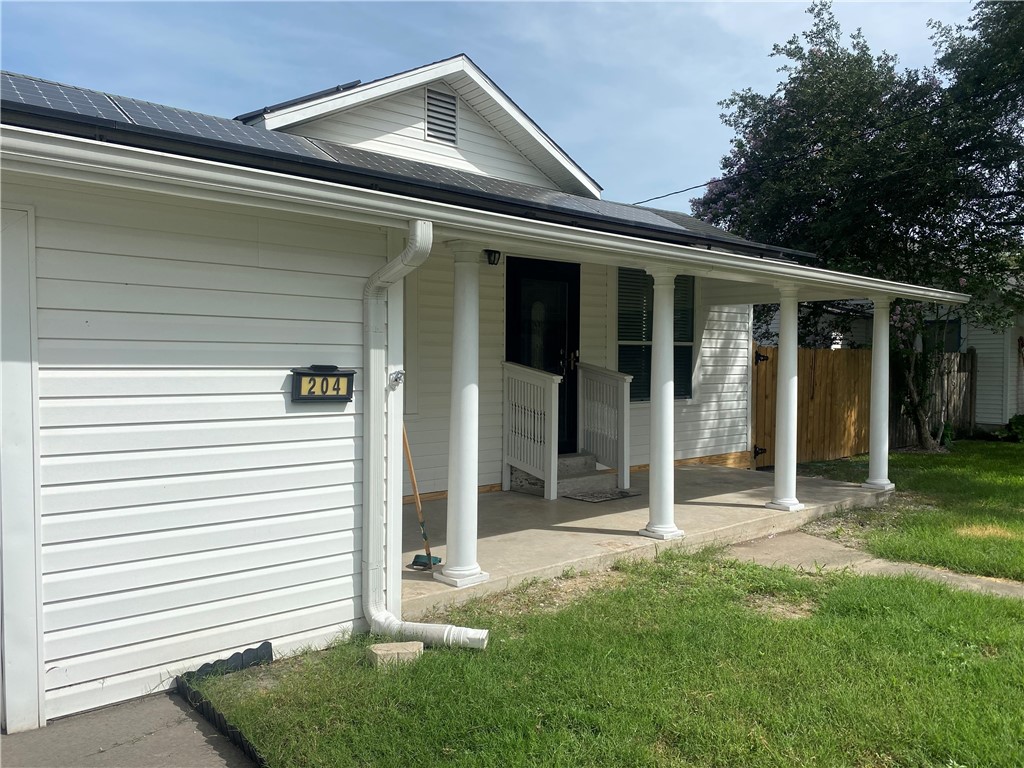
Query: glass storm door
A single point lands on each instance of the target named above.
(542, 329)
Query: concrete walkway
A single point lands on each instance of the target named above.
(811, 553)
(159, 731)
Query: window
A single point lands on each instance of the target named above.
(945, 332)
(636, 325)
(442, 116)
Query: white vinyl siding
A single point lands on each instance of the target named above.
(993, 400)
(397, 126)
(714, 422)
(431, 378)
(596, 318)
(189, 508)
(717, 419)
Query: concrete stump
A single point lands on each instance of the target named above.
(394, 653)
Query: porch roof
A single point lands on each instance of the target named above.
(35, 103)
(546, 223)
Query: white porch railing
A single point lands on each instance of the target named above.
(603, 421)
(530, 425)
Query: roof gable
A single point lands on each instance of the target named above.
(489, 110)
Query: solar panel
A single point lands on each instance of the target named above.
(527, 194)
(64, 98)
(634, 214)
(181, 121)
(42, 93)
(396, 166)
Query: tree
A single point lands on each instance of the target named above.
(909, 175)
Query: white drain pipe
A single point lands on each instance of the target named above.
(375, 387)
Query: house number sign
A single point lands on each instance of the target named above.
(321, 382)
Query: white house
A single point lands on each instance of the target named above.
(166, 501)
(999, 394)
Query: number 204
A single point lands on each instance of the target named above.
(324, 385)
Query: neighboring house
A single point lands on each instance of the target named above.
(165, 500)
(999, 392)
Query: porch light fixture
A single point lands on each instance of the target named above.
(493, 257)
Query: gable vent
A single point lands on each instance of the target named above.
(442, 116)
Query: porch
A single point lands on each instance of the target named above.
(522, 537)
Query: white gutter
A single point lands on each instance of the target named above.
(53, 155)
(375, 388)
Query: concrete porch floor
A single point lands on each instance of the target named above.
(524, 537)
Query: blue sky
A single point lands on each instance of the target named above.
(629, 90)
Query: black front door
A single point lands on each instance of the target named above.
(542, 329)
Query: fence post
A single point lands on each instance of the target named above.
(972, 387)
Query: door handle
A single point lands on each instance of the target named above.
(574, 359)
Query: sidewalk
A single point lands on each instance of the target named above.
(811, 553)
(159, 731)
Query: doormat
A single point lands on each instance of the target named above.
(595, 497)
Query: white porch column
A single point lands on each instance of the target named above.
(662, 523)
(784, 497)
(461, 568)
(878, 458)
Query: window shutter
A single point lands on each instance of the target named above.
(636, 328)
(636, 305)
(442, 116)
(683, 321)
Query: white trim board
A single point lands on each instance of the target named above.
(21, 588)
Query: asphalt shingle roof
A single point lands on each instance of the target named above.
(26, 100)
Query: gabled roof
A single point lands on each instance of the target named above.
(68, 110)
(474, 87)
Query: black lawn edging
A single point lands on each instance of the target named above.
(250, 657)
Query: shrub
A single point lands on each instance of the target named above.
(1016, 427)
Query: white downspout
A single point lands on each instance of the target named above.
(375, 387)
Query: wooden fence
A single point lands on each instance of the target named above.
(834, 402)
(954, 388)
(833, 399)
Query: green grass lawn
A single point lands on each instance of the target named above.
(962, 510)
(686, 661)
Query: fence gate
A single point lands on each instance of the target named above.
(833, 403)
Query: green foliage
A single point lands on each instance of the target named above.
(909, 175)
(948, 435)
(690, 661)
(888, 172)
(1016, 427)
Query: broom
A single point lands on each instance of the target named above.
(420, 562)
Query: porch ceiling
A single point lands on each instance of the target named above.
(522, 537)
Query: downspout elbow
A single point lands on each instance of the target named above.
(386, 623)
(381, 620)
(416, 251)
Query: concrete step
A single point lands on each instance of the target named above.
(568, 482)
(576, 463)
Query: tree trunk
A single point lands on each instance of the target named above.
(916, 405)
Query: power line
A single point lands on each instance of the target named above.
(669, 194)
